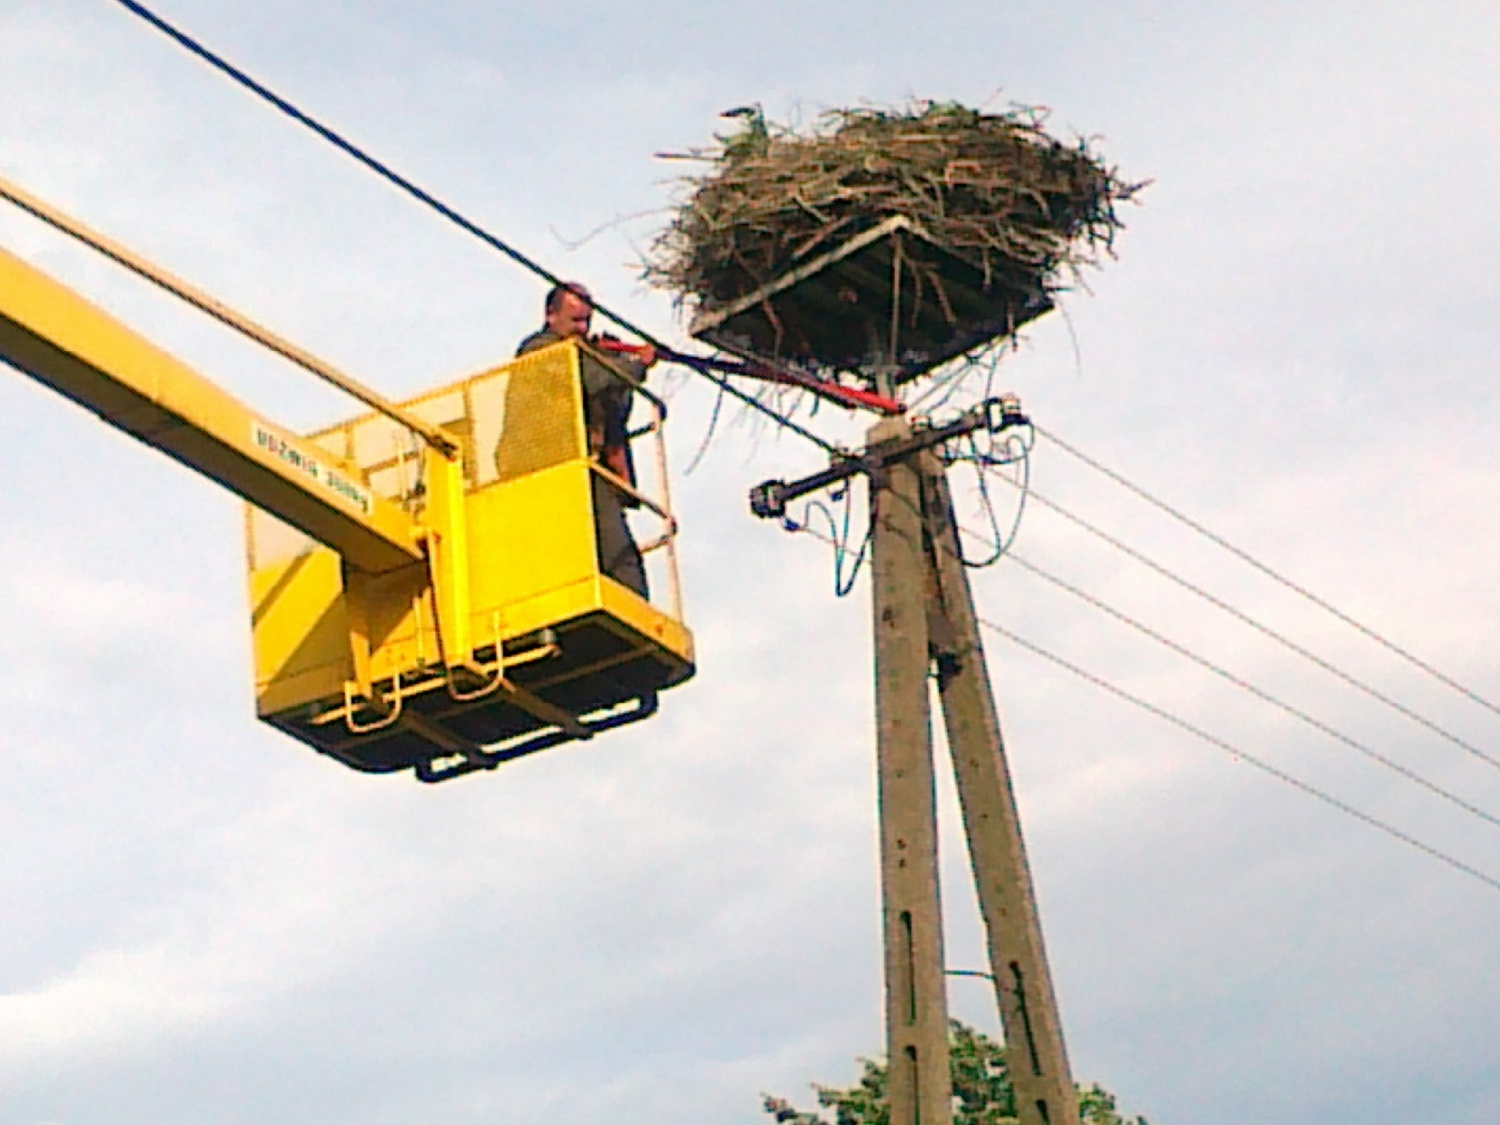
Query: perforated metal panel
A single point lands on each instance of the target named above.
(544, 392)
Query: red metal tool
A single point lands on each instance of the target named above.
(851, 397)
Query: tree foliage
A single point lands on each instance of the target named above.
(982, 1092)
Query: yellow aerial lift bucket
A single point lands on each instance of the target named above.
(365, 668)
(426, 584)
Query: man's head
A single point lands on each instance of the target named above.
(568, 309)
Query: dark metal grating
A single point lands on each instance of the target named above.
(840, 310)
(602, 664)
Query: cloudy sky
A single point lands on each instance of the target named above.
(203, 921)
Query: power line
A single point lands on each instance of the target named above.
(1236, 752)
(1245, 685)
(1250, 560)
(385, 172)
(1312, 657)
(1259, 693)
(1281, 775)
(1240, 682)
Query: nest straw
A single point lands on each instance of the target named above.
(993, 188)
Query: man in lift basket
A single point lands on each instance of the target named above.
(606, 405)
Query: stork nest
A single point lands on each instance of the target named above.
(993, 188)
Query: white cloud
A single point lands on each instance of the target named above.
(1294, 347)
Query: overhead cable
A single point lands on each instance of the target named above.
(1265, 630)
(385, 172)
(1250, 560)
(1265, 767)
(1004, 546)
(1258, 692)
(1235, 751)
(845, 570)
(1249, 759)
(1017, 452)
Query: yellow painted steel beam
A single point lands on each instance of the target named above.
(448, 551)
(66, 343)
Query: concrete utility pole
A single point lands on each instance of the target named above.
(890, 305)
(1035, 1054)
(916, 1003)
(924, 620)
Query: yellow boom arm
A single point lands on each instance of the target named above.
(77, 349)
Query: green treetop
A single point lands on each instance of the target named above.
(982, 1093)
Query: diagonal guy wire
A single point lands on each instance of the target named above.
(1248, 759)
(427, 199)
(1260, 693)
(1332, 669)
(1246, 557)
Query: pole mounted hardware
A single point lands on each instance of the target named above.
(923, 607)
(929, 658)
(851, 398)
(769, 499)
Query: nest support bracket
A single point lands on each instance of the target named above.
(891, 301)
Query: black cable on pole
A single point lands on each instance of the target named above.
(385, 172)
(1249, 759)
(1246, 557)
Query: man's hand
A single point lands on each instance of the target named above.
(644, 354)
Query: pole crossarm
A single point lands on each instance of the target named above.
(769, 499)
(74, 347)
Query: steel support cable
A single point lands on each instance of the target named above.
(1236, 752)
(1250, 560)
(1244, 618)
(1258, 692)
(1241, 755)
(391, 176)
(1252, 689)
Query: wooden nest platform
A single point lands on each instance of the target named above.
(890, 299)
(884, 240)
